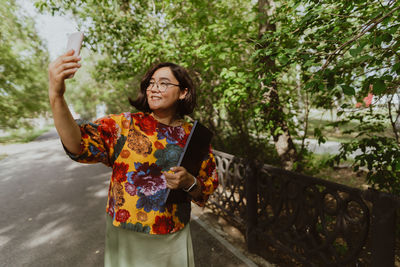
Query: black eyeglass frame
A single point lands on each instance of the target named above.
(165, 84)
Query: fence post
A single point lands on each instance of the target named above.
(383, 230)
(251, 206)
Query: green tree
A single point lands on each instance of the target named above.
(23, 64)
(260, 66)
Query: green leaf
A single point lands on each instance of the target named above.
(283, 59)
(348, 90)
(387, 37)
(398, 166)
(396, 66)
(379, 87)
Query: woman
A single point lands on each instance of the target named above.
(143, 228)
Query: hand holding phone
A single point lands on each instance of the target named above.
(75, 42)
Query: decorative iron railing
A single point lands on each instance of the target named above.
(316, 222)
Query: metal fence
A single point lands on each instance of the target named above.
(314, 221)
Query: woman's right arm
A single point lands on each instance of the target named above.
(59, 70)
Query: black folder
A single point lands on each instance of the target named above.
(195, 150)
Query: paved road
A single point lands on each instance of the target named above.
(53, 211)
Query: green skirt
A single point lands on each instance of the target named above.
(129, 248)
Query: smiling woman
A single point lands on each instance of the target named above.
(144, 227)
(166, 89)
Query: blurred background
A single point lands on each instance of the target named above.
(303, 85)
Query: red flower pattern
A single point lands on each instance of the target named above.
(210, 167)
(122, 215)
(146, 123)
(182, 141)
(158, 145)
(163, 225)
(108, 130)
(119, 172)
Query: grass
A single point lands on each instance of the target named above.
(335, 133)
(23, 135)
(317, 166)
(3, 156)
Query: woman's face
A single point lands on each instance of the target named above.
(164, 101)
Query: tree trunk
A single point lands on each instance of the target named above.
(273, 108)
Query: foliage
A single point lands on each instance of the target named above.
(23, 65)
(335, 53)
(23, 135)
(381, 156)
(326, 54)
(373, 150)
(213, 39)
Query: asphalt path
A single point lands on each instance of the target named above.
(53, 211)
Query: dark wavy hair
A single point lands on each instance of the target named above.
(185, 106)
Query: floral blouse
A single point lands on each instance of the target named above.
(139, 148)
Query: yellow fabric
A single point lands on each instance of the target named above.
(138, 148)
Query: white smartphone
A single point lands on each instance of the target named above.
(75, 42)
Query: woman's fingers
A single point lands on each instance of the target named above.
(67, 66)
(60, 69)
(66, 61)
(178, 179)
(171, 179)
(177, 168)
(63, 63)
(68, 72)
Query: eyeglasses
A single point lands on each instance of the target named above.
(162, 86)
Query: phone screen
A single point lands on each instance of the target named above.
(75, 42)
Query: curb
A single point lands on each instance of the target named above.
(225, 243)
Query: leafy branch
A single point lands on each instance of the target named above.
(366, 28)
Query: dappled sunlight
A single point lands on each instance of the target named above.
(4, 239)
(57, 205)
(63, 209)
(100, 190)
(49, 233)
(6, 229)
(73, 166)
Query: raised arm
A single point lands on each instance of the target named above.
(59, 70)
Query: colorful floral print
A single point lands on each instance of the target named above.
(141, 216)
(163, 225)
(139, 143)
(130, 189)
(138, 148)
(119, 172)
(168, 157)
(173, 135)
(148, 178)
(118, 194)
(137, 227)
(108, 130)
(122, 215)
(110, 207)
(154, 202)
(125, 153)
(146, 123)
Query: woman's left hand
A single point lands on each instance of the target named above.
(179, 179)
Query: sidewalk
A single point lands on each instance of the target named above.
(55, 203)
(211, 249)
